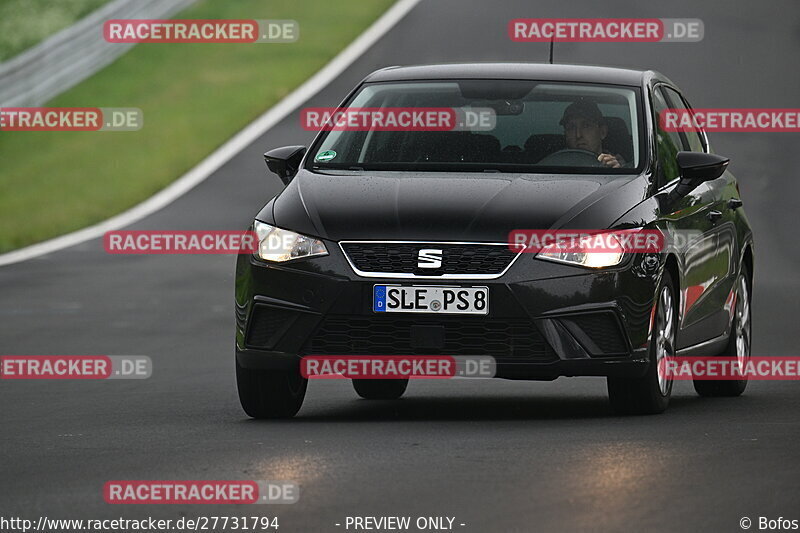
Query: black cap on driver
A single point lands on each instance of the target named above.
(582, 108)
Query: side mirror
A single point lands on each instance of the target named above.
(696, 168)
(285, 161)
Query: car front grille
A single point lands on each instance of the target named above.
(457, 259)
(503, 339)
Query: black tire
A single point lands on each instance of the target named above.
(650, 393)
(380, 389)
(741, 330)
(270, 393)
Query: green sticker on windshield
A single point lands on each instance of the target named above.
(327, 155)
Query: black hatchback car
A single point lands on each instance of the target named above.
(368, 213)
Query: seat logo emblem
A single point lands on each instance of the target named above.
(428, 258)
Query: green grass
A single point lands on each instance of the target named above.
(24, 23)
(194, 97)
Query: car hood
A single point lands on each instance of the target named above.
(459, 207)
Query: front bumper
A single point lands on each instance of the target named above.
(545, 319)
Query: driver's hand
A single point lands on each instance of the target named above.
(608, 160)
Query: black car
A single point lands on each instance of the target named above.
(572, 147)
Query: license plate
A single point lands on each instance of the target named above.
(430, 299)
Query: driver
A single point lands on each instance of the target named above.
(585, 128)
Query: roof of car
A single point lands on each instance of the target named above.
(512, 71)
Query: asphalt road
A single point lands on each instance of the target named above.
(496, 455)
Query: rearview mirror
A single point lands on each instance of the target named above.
(285, 161)
(697, 168)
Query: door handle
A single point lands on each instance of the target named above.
(713, 216)
(735, 203)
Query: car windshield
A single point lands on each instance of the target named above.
(482, 126)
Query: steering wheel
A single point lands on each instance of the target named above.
(571, 157)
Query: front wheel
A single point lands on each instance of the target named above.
(270, 393)
(650, 394)
(380, 389)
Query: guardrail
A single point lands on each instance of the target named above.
(73, 54)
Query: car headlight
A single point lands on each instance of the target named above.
(584, 256)
(279, 245)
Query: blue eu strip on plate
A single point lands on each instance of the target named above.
(379, 298)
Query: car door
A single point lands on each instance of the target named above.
(726, 264)
(692, 217)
